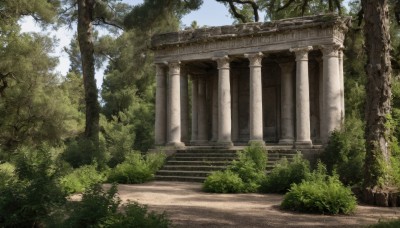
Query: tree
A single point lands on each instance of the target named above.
(85, 38)
(378, 92)
(89, 13)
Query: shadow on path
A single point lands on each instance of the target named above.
(188, 206)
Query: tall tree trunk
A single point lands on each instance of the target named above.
(85, 38)
(378, 91)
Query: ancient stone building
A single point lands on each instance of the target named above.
(278, 82)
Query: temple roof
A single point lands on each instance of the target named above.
(227, 32)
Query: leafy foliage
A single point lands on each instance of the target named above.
(223, 182)
(99, 208)
(320, 194)
(284, 174)
(249, 167)
(82, 178)
(83, 152)
(137, 168)
(345, 152)
(387, 224)
(30, 192)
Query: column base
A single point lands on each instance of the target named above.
(224, 143)
(303, 144)
(286, 141)
(258, 141)
(177, 145)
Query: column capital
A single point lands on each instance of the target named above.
(301, 52)
(174, 67)
(255, 59)
(223, 62)
(330, 50)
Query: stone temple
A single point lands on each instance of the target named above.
(278, 83)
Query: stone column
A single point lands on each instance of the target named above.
(235, 106)
(287, 103)
(202, 111)
(214, 130)
(331, 91)
(302, 96)
(224, 102)
(161, 105)
(321, 97)
(174, 102)
(184, 107)
(256, 116)
(195, 87)
(341, 76)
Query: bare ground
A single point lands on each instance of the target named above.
(187, 206)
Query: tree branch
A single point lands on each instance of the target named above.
(289, 3)
(237, 14)
(106, 22)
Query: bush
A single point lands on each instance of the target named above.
(84, 152)
(99, 208)
(249, 167)
(137, 168)
(284, 174)
(30, 192)
(81, 178)
(345, 152)
(320, 194)
(223, 182)
(387, 224)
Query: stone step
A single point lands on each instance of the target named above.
(207, 151)
(187, 154)
(183, 173)
(210, 163)
(201, 158)
(193, 167)
(180, 178)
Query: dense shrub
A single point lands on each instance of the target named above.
(137, 168)
(120, 137)
(320, 194)
(387, 224)
(345, 152)
(249, 167)
(84, 152)
(99, 208)
(30, 192)
(223, 182)
(284, 174)
(81, 178)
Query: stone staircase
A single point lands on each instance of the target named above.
(195, 165)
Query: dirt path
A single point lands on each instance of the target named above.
(188, 206)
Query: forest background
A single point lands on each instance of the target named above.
(44, 114)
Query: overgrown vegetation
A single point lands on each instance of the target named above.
(387, 224)
(243, 175)
(30, 192)
(82, 178)
(137, 168)
(286, 173)
(345, 152)
(320, 193)
(103, 208)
